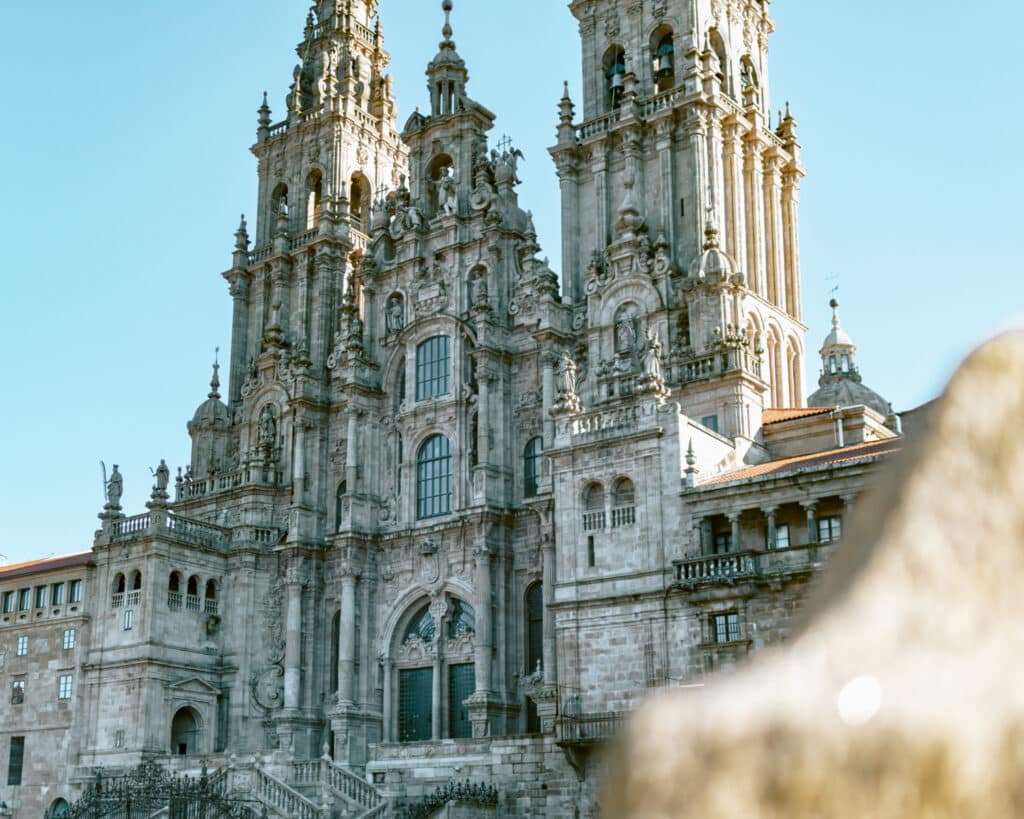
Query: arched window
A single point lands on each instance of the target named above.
(193, 586)
(434, 478)
(614, 72)
(623, 493)
(359, 201)
(136, 580)
(461, 618)
(211, 589)
(441, 172)
(185, 732)
(422, 625)
(531, 466)
(338, 503)
(279, 201)
(663, 54)
(174, 582)
(119, 583)
(60, 809)
(593, 507)
(433, 363)
(534, 627)
(718, 47)
(314, 195)
(335, 637)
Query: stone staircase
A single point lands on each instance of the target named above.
(307, 789)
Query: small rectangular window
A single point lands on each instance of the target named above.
(76, 591)
(69, 638)
(8, 602)
(22, 648)
(711, 422)
(682, 207)
(24, 599)
(723, 543)
(17, 692)
(57, 597)
(64, 687)
(832, 364)
(41, 596)
(591, 554)
(782, 536)
(128, 619)
(15, 760)
(119, 739)
(725, 628)
(829, 529)
(846, 363)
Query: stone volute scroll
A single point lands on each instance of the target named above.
(899, 695)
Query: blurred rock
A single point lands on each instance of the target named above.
(902, 697)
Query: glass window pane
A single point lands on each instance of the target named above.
(415, 704)
(433, 360)
(434, 478)
(461, 685)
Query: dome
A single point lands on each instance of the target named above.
(212, 413)
(847, 391)
(838, 337)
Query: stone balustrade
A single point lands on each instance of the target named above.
(252, 475)
(168, 524)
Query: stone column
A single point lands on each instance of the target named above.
(299, 462)
(773, 227)
(350, 451)
(571, 286)
(810, 507)
(733, 163)
(734, 544)
(548, 585)
(707, 540)
(548, 362)
(600, 171)
(663, 145)
(756, 253)
(483, 621)
(439, 611)
(347, 638)
(239, 335)
(293, 638)
(770, 513)
(791, 229)
(387, 729)
(695, 131)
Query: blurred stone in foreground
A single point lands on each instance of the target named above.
(903, 695)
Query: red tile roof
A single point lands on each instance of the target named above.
(776, 416)
(832, 457)
(48, 564)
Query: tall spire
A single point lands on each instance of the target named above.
(446, 73)
(215, 381)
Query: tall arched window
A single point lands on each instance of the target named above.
(433, 363)
(338, 504)
(279, 202)
(623, 503)
(593, 507)
(314, 194)
(359, 201)
(434, 478)
(136, 580)
(531, 466)
(614, 72)
(663, 54)
(718, 47)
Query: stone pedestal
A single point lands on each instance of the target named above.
(484, 712)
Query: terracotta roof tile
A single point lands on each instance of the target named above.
(832, 457)
(48, 564)
(776, 416)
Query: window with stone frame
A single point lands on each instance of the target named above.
(725, 627)
(829, 529)
(21, 648)
(70, 637)
(75, 595)
(41, 595)
(434, 478)
(24, 599)
(57, 594)
(64, 685)
(15, 760)
(531, 466)
(17, 692)
(8, 607)
(782, 536)
(433, 368)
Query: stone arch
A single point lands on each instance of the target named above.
(187, 732)
(360, 194)
(314, 197)
(717, 43)
(623, 491)
(119, 585)
(646, 296)
(613, 65)
(794, 356)
(663, 58)
(592, 496)
(775, 352)
(59, 809)
(403, 608)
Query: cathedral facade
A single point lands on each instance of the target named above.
(454, 514)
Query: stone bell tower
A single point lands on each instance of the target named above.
(678, 186)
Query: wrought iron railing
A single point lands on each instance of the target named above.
(589, 727)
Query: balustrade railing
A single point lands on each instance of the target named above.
(211, 607)
(195, 532)
(253, 475)
(304, 238)
(717, 567)
(590, 727)
(623, 516)
(260, 254)
(697, 368)
(131, 526)
(621, 420)
(175, 600)
(350, 786)
(279, 128)
(117, 600)
(598, 125)
(192, 602)
(593, 521)
(133, 598)
(284, 799)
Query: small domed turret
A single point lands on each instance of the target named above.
(840, 382)
(713, 263)
(209, 429)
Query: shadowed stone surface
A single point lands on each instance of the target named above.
(902, 696)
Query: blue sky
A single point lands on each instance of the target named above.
(127, 165)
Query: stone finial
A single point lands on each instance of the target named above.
(898, 697)
(215, 380)
(446, 31)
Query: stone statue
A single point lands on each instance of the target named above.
(268, 427)
(163, 476)
(115, 488)
(652, 357)
(625, 334)
(566, 375)
(449, 195)
(395, 316)
(478, 292)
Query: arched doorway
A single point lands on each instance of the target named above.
(60, 809)
(186, 732)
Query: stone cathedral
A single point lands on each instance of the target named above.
(455, 514)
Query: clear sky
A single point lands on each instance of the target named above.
(126, 142)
